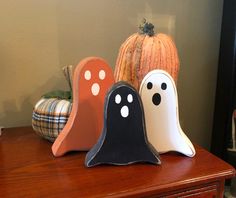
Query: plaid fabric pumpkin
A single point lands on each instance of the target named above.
(50, 116)
(52, 111)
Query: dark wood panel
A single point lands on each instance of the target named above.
(226, 82)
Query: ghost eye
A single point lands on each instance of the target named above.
(87, 75)
(163, 86)
(130, 98)
(149, 85)
(118, 99)
(102, 74)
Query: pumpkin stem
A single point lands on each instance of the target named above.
(59, 94)
(146, 28)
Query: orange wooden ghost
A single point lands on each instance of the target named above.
(92, 79)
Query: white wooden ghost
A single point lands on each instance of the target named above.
(159, 96)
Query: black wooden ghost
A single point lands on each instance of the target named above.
(123, 140)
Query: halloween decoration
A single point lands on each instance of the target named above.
(143, 52)
(159, 96)
(123, 140)
(52, 111)
(92, 78)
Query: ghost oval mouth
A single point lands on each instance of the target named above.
(156, 99)
(124, 111)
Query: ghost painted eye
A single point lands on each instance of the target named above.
(163, 86)
(118, 99)
(102, 74)
(130, 98)
(149, 85)
(87, 75)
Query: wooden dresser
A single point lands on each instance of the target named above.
(28, 169)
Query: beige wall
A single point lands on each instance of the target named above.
(37, 38)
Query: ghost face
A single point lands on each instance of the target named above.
(159, 94)
(123, 109)
(94, 80)
(95, 87)
(123, 112)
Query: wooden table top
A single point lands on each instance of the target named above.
(28, 169)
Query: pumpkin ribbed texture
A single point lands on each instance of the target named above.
(141, 53)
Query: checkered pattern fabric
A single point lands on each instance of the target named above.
(50, 116)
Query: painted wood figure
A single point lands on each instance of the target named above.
(159, 96)
(123, 140)
(92, 79)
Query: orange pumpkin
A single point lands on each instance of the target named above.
(143, 52)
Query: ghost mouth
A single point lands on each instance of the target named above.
(95, 89)
(124, 111)
(156, 99)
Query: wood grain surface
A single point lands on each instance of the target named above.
(29, 169)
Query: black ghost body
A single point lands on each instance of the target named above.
(123, 140)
